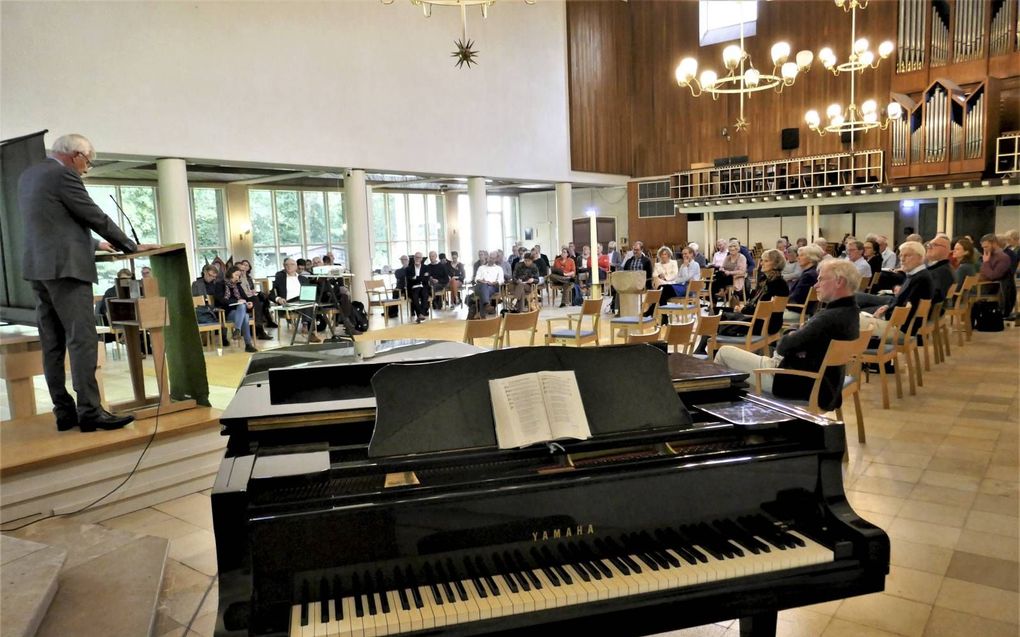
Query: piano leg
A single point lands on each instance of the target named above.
(761, 625)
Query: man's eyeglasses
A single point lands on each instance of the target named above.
(931, 244)
(88, 162)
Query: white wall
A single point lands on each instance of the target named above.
(882, 223)
(538, 211)
(351, 83)
(1007, 218)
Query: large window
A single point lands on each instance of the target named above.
(297, 224)
(139, 204)
(209, 222)
(405, 223)
(502, 222)
(719, 20)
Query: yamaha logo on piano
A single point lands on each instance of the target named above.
(570, 531)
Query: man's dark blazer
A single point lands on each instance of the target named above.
(439, 272)
(941, 278)
(411, 279)
(806, 281)
(646, 265)
(280, 285)
(59, 216)
(216, 289)
(915, 289)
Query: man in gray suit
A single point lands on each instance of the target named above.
(60, 262)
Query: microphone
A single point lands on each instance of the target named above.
(131, 225)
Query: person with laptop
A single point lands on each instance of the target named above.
(287, 289)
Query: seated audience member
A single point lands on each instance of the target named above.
(917, 287)
(146, 272)
(483, 259)
(804, 348)
(416, 277)
(698, 257)
(733, 270)
(841, 247)
(782, 244)
(287, 289)
(263, 317)
(315, 263)
(541, 262)
(563, 274)
(455, 270)
(801, 242)
(399, 273)
(996, 265)
(583, 262)
(873, 254)
(748, 257)
(808, 258)
(772, 285)
(327, 259)
(516, 256)
(721, 252)
(937, 260)
(916, 238)
(504, 265)
(237, 306)
(111, 292)
(855, 254)
(791, 269)
(210, 286)
(615, 257)
(439, 279)
(665, 273)
(889, 258)
(966, 260)
(488, 280)
(525, 278)
(605, 267)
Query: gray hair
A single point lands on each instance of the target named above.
(913, 247)
(811, 251)
(845, 270)
(694, 246)
(74, 143)
(774, 258)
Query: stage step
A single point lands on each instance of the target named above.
(105, 568)
(30, 573)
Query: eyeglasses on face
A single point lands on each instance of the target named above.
(88, 161)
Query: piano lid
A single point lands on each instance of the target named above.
(445, 406)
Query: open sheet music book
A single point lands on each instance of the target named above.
(537, 407)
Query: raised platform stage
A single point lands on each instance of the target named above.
(45, 471)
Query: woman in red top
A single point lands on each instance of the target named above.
(563, 272)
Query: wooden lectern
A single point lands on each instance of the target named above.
(140, 308)
(629, 285)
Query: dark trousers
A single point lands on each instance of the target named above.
(420, 301)
(66, 323)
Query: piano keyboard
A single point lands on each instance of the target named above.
(553, 575)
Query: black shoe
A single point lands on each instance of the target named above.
(272, 324)
(264, 337)
(66, 422)
(104, 420)
(250, 348)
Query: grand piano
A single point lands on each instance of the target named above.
(368, 497)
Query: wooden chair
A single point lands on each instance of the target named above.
(483, 328)
(628, 323)
(928, 332)
(207, 328)
(839, 354)
(906, 344)
(518, 322)
(778, 307)
(887, 352)
(705, 295)
(750, 342)
(382, 297)
(803, 308)
(684, 307)
(645, 337)
(576, 333)
(958, 314)
(678, 337)
(707, 327)
(872, 284)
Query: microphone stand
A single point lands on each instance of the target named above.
(130, 224)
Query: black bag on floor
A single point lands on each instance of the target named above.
(358, 316)
(394, 310)
(986, 316)
(578, 296)
(474, 312)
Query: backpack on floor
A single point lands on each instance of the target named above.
(394, 310)
(986, 316)
(358, 316)
(578, 296)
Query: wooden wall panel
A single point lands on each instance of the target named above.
(599, 71)
(656, 231)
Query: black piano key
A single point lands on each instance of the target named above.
(727, 548)
(633, 546)
(669, 539)
(615, 548)
(359, 607)
(412, 583)
(546, 568)
(306, 600)
(603, 549)
(522, 564)
(503, 572)
(511, 566)
(473, 576)
(430, 578)
(568, 559)
(401, 585)
(384, 602)
(579, 558)
(688, 543)
(337, 596)
(486, 576)
(556, 566)
(455, 577)
(594, 559)
(444, 580)
(653, 550)
(324, 600)
(738, 534)
(373, 609)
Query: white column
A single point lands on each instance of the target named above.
(564, 217)
(950, 216)
(453, 229)
(810, 223)
(940, 215)
(479, 211)
(359, 239)
(175, 207)
(709, 248)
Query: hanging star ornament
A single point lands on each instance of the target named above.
(465, 54)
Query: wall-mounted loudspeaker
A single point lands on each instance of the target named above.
(790, 138)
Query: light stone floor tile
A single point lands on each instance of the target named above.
(988, 544)
(984, 601)
(885, 504)
(919, 461)
(893, 472)
(1002, 472)
(1002, 504)
(921, 557)
(886, 612)
(924, 532)
(988, 571)
(945, 622)
(974, 432)
(908, 583)
(883, 486)
(196, 550)
(993, 523)
(962, 467)
(998, 487)
(963, 453)
(949, 480)
(935, 513)
(194, 509)
(843, 628)
(943, 495)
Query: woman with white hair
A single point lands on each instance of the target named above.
(733, 270)
(696, 251)
(808, 258)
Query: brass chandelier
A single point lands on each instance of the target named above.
(852, 118)
(742, 78)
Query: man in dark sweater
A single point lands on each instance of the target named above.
(916, 288)
(937, 259)
(804, 349)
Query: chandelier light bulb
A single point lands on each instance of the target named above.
(731, 56)
(827, 57)
(789, 72)
(708, 79)
(885, 49)
(840, 3)
(804, 59)
(860, 46)
(780, 53)
(870, 118)
(837, 120)
(833, 110)
(869, 106)
(812, 119)
(686, 70)
(752, 77)
(894, 110)
(867, 58)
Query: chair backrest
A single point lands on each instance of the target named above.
(651, 299)
(762, 313)
(678, 336)
(198, 300)
(921, 316)
(870, 286)
(895, 322)
(515, 322)
(590, 308)
(707, 274)
(809, 303)
(839, 354)
(649, 337)
(708, 325)
(482, 328)
(375, 285)
(694, 288)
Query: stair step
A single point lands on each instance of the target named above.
(30, 575)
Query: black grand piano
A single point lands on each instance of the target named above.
(368, 497)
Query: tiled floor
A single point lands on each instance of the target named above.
(939, 473)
